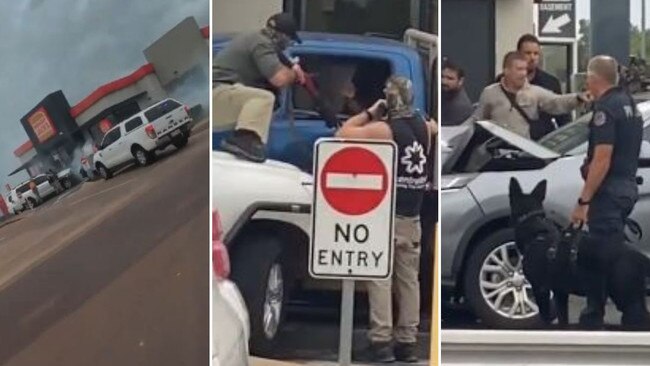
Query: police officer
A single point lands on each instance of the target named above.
(395, 119)
(610, 189)
(246, 74)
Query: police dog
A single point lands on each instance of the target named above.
(555, 261)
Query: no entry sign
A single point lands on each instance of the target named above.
(353, 208)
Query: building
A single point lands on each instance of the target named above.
(385, 17)
(59, 134)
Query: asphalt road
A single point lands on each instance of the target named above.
(114, 272)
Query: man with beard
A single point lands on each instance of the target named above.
(456, 106)
(396, 119)
(247, 75)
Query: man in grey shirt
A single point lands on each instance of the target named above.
(243, 74)
(515, 104)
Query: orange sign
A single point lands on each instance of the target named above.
(42, 125)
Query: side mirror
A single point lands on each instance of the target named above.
(645, 150)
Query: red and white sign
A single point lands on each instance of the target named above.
(353, 209)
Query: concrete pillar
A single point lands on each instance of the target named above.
(610, 29)
(514, 18)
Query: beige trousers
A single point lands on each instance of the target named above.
(242, 107)
(404, 283)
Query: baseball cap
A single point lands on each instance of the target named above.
(284, 23)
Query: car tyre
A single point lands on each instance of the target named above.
(31, 203)
(142, 156)
(104, 172)
(480, 297)
(259, 270)
(67, 184)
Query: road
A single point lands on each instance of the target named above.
(321, 346)
(115, 272)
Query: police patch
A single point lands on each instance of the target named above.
(600, 118)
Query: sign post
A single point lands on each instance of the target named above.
(352, 219)
(557, 19)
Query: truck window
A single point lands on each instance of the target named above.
(111, 137)
(40, 179)
(349, 84)
(22, 188)
(132, 124)
(161, 109)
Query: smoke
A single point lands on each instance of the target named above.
(74, 46)
(85, 150)
(193, 88)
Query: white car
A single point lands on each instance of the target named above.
(22, 197)
(137, 138)
(264, 210)
(230, 322)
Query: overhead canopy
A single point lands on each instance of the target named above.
(22, 167)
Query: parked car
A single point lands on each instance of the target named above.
(230, 322)
(22, 197)
(478, 254)
(137, 138)
(265, 231)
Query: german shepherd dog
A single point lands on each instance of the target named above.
(556, 261)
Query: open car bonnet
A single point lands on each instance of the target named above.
(527, 145)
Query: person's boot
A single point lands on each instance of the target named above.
(381, 352)
(406, 352)
(245, 144)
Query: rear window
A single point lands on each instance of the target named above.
(23, 188)
(133, 124)
(161, 109)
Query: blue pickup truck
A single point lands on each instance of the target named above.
(340, 64)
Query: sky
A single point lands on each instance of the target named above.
(74, 46)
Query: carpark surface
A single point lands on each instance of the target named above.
(113, 272)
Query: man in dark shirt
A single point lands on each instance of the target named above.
(396, 119)
(610, 190)
(529, 46)
(456, 106)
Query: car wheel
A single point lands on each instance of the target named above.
(67, 184)
(142, 156)
(181, 141)
(259, 271)
(31, 203)
(105, 172)
(495, 286)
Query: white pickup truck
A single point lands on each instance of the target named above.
(137, 138)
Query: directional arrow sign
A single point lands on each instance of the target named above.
(557, 19)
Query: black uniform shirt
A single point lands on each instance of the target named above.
(616, 121)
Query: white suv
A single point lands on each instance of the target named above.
(137, 138)
(23, 198)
